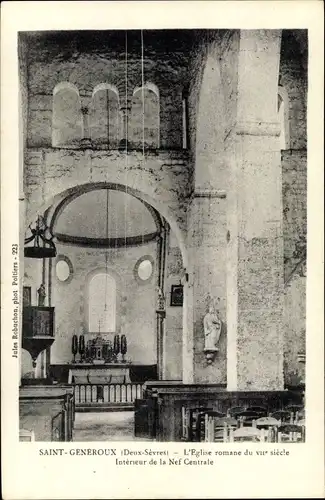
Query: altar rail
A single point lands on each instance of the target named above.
(106, 394)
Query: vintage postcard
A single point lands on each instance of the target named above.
(161, 244)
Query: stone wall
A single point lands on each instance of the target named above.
(294, 189)
(23, 87)
(85, 65)
(293, 77)
(166, 178)
(294, 192)
(295, 330)
(160, 179)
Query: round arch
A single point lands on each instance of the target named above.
(106, 86)
(151, 87)
(67, 123)
(148, 86)
(50, 206)
(65, 86)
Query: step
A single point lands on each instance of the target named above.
(98, 407)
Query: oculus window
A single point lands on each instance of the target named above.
(144, 269)
(63, 269)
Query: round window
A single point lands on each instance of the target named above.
(144, 269)
(63, 270)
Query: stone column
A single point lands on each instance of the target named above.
(207, 229)
(161, 314)
(125, 118)
(85, 107)
(255, 247)
(206, 280)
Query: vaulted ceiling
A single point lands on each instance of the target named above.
(103, 214)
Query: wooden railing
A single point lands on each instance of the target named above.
(107, 393)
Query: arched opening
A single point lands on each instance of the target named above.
(144, 120)
(78, 220)
(104, 117)
(102, 303)
(67, 124)
(112, 239)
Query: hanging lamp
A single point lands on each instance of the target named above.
(40, 244)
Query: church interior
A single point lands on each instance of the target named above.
(164, 220)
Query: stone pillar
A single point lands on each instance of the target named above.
(125, 118)
(255, 246)
(207, 229)
(206, 280)
(161, 314)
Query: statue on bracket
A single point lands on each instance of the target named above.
(212, 329)
(41, 295)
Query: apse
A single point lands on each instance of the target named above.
(105, 217)
(106, 273)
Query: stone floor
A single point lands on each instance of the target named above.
(106, 426)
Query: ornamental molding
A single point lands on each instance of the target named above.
(209, 193)
(258, 128)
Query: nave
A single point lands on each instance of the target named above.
(164, 211)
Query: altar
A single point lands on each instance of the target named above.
(108, 373)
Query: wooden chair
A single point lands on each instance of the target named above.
(235, 410)
(270, 425)
(266, 422)
(294, 408)
(196, 417)
(246, 418)
(250, 434)
(218, 429)
(282, 415)
(301, 414)
(260, 410)
(296, 411)
(204, 415)
(291, 433)
(185, 424)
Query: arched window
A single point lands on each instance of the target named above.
(102, 303)
(283, 108)
(144, 121)
(67, 124)
(104, 116)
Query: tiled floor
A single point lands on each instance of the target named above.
(105, 426)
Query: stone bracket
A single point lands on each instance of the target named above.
(210, 354)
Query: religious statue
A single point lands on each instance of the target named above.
(161, 300)
(212, 329)
(41, 295)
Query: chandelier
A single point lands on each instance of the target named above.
(40, 245)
